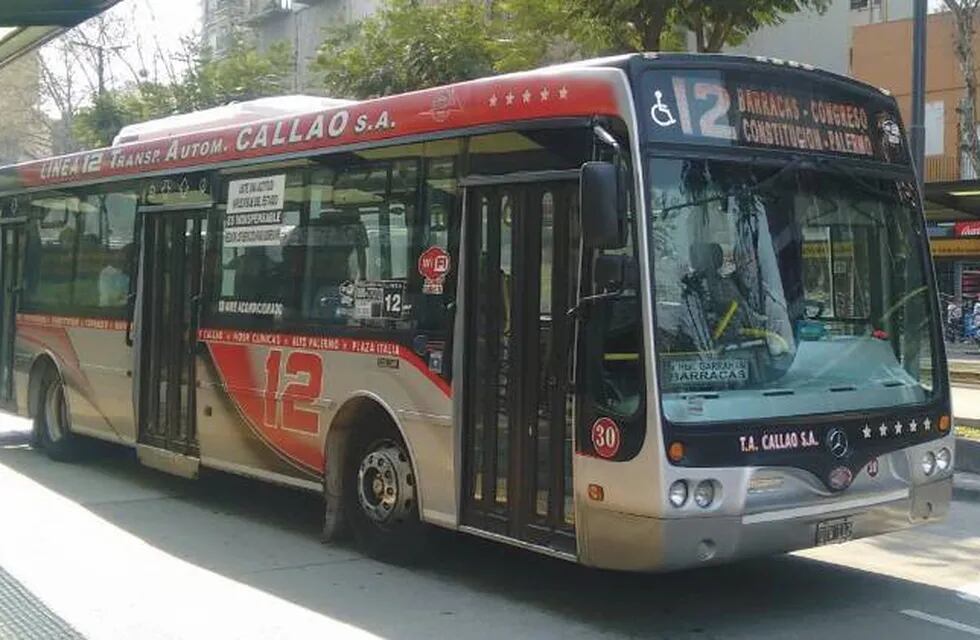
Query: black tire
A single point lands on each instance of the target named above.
(52, 421)
(379, 493)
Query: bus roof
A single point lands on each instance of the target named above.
(235, 113)
(294, 125)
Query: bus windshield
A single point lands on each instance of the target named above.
(782, 290)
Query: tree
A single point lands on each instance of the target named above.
(716, 23)
(407, 46)
(964, 12)
(411, 45)
(242, 73)
(653, 25)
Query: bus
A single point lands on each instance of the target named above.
(643, 313)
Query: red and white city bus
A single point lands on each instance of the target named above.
(644, 313)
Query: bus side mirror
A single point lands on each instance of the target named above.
(602, 223)
(613, 272)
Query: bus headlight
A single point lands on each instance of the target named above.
(678, 493)
(944, 457)
(704, 494)
(928, 463)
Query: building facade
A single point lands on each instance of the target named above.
(822, 39)
(23, 134)
(302, 25)
(882, 55)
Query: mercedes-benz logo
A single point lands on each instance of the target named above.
(837, 443)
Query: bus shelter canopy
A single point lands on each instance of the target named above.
(27, 24)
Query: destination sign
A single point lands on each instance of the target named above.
(734, 108)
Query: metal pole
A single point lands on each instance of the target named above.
(918, 132)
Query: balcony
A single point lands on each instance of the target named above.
(944, 169)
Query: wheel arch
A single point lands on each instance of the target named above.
(354, 410)
(41, 362)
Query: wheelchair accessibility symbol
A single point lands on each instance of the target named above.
(660, 112)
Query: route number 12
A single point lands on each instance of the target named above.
(304, 383)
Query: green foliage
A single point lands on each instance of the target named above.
(410, 44)
(658, 25)
(407, 46)
(242, 73)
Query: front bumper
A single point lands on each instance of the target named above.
(629, 542)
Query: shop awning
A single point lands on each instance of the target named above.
(27, 24)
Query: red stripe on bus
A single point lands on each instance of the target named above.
(521, 97)
(242, 384)
(326, 343)
(69, 322)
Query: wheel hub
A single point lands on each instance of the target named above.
(386, 485)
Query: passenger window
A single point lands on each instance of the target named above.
(79, 252)
(345, 249)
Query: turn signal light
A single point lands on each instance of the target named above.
(596, 493)
(675, 451)
(944, 423)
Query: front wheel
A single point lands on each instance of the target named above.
(380, 496)
(52, 421)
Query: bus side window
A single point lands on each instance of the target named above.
(50, 253)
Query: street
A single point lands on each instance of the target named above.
(120, 551)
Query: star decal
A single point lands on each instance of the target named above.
(494, 100)
(526, 96)
(866, 431)
(509, 98)
(927, 423)
(563, 93)
(898, 428)
(544, 94)
(913, 426)
(883, 430)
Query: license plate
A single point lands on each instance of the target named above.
(834, 531)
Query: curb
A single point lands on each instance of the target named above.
(967, 454)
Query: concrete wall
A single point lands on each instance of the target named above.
(304, 30)
(823, 40)
(820, 40)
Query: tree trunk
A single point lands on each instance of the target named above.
(963, 15)
(653, 25)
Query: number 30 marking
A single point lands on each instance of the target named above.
(304, 385)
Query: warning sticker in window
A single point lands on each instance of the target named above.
(708, 372)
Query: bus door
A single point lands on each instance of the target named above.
(166, 333)
(522, 252)
(12, 244)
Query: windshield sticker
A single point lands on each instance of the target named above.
(434, 265)
(781, 441)
(254, 212)
(709, 372)
(379, 300)
(250, 308)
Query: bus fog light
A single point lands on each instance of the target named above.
(704, 493)
(943, 459)
(928, 463)
(678, 493)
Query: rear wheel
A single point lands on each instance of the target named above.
(380, 496)
(52, 420)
